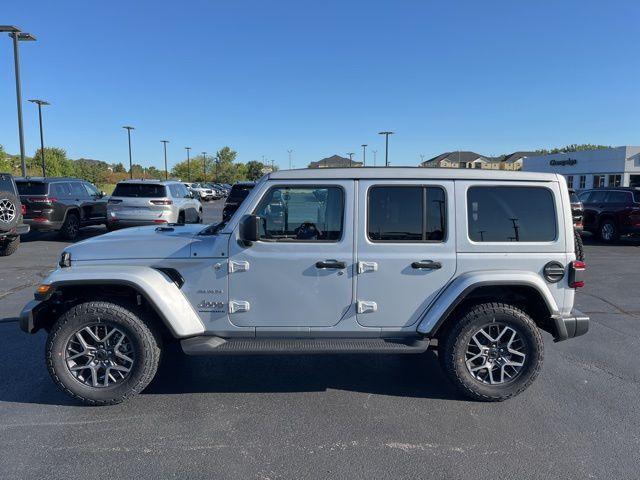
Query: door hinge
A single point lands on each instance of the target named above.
(367, 267)
(238, 266)
(236, 306)
(367, 306)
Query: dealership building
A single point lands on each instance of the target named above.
(606, 167)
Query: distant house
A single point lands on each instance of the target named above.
(467, 159)
(335, 161)
(458, 159)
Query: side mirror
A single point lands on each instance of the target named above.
(250, 228)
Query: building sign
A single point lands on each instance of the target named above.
(563, 163)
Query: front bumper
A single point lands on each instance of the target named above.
(29, 316)
(570, 325)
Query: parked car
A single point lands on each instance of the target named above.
(203, 192)
(63, 205)
(11, 216)
(350, 260)
(152, 202)
(611, 212)
(236, 196)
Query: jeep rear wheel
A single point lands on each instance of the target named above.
(494, 352)
(609, 231)
(102, 353)
(70, 227)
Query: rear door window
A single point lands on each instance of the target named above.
(511, 214)
(406, 214)
(142, 190)
(60, 190)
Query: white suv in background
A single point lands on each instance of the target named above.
(151, 202)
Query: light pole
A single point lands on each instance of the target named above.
(364, 154)
(351, 154)
(18, 36)
(386, 147)
(375, 155)
(204, 166)
(289, 152)
(40, 103)
(166, 171)
(128, 129)
(188, 164)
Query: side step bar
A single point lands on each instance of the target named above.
(209, 345)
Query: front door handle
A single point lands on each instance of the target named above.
(426, 264)
(331, 264)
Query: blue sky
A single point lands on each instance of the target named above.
(323, 77)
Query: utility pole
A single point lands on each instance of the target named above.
(18, 36)
(364, 154)
(375, 155)
(204, 166)
(40, 103)
(421, 159)
(351, 154)
(386, 147)
(128, 128)
(289, 152)
(188, 164)
(166, 171)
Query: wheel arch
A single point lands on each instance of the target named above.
(528, 293)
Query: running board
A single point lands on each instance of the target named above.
(208, 345)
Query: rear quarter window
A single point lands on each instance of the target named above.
(511, 214)
(142, 190)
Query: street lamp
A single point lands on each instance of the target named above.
(204, 166)
(18, 36)
(375, 156)
(40, 103)
(188, 164)
(386, 147)
(289, 152)
(364, 154)
(128, 129)
(351, 158)
(166, 171)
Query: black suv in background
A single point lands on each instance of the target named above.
(611, 212)
(11, 223)
(61, 204)
(236, 196)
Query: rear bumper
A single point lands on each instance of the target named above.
(43, 224)
(14, 232)
(571, 325)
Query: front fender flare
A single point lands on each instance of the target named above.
(157, 288)
(463, 285)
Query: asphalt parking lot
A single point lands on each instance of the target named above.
(344, 416)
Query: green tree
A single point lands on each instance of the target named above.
(119, 168)
(56, 163)
(255, 170)
(6, 165)
(573, 148)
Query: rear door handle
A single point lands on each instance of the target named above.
(426, 264)
(331, 264)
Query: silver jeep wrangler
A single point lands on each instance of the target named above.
(357, 260)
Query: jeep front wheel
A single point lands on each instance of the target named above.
(9, 245)
(493, 352)
(102, 353)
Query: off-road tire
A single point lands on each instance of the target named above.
(145, 338)
(615, 235)
(579, 246)
(9, 245)
(452, 355)
(71, 227)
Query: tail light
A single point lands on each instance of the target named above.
(42, 199)
(161, 202)
(113, 201)
(159, 221)
(24, 209)
(576, 274)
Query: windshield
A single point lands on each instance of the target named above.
(239, 193)
(26, 187)
(145, 190)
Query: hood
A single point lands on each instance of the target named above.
(137, 243)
